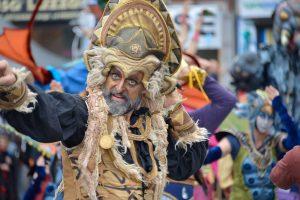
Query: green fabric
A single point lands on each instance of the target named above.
(102, 3)
(233, 122)
(239, 190)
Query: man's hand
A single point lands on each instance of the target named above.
(271, 92)
(7, 77)
(172, 99)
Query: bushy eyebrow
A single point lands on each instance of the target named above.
(134, 78)
(115, 70)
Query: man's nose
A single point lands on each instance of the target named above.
(120, 86)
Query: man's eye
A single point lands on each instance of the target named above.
(132, 82)
(115, 76)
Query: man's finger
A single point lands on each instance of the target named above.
(3, 62)
(3, 66)
(7, 80)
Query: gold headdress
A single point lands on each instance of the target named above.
(140, 36)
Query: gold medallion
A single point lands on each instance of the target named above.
(106, 141)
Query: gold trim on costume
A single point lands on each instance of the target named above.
(138, 13)
(144, 131)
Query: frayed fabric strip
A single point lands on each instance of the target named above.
(199, 135)
(29, 104)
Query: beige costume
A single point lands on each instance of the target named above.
(134, 35)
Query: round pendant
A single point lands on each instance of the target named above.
(106, 141)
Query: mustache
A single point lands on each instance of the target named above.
(120, 94)
(118, 108)
(108, 94)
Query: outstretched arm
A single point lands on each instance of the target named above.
(292, 138)
(55, 116)
(228, 145)
(222, 102)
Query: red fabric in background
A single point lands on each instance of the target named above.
(96, 11)
(15, 45)
(193, 98)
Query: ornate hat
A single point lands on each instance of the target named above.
(257, 102)
(135, 30)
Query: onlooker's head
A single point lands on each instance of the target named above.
(3, 142)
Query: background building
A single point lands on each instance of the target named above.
(217, 39)
(230, 27)
(254, 23)
(52, 34)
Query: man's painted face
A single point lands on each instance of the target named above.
(264, 123)
(123, 94)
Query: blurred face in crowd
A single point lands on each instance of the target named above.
(264, 123)
(3, 143)
(123, 94)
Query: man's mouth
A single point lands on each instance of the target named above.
(119, 98)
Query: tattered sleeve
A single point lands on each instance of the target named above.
(182, 163)
(56, 117)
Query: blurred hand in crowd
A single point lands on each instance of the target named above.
(4, 167)
(271, 92)
(56, 86)
(186, 7)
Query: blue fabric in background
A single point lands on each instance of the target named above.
(290, 126)
(180, 191)
(73, 79)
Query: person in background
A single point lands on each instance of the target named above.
(7, 179)
(38, 176)
(286, 172)
(255, 153)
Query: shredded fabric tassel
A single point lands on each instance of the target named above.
(123, 124)
(199, 135)
(29, 104)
